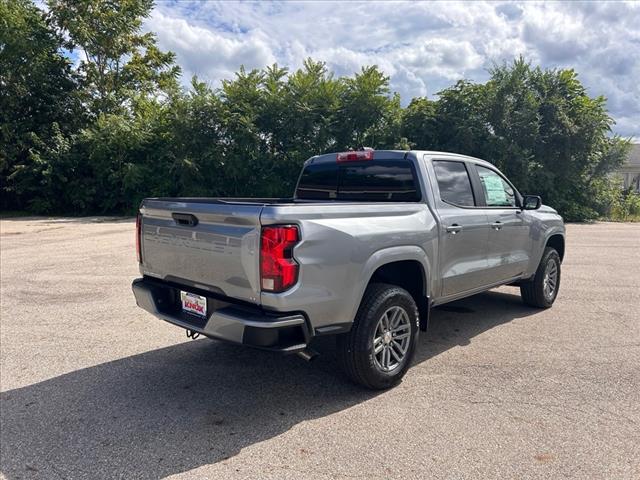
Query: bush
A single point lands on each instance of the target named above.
(626, 208)
(615, 203)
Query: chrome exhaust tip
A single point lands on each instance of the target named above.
(307, 354)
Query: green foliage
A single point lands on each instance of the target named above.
(365, 110)
(538, 126)
(99, 137)
(551, 136)
(39, 105)
(627, 209)
(119, 62)
(419, 124)
(616, 203)
(461, 119)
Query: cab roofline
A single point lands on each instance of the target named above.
(397, 155)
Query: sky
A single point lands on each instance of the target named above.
(424, 47)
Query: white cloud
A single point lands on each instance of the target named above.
(207, 53)
(423, 46)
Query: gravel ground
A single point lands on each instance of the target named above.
(93, 387)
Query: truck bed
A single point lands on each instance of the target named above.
(219, 251)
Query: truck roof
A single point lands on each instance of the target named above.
(398, 154)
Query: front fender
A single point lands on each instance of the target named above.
(540, 242)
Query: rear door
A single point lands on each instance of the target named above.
(464, 230)
(211, 245)
(510, 242)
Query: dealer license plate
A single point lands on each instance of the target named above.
(194, 304)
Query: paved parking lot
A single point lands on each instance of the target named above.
(93, 387)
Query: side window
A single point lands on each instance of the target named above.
(453, 181)
(497, 192)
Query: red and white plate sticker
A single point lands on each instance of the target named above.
(194, 304)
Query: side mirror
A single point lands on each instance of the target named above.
(531, 202)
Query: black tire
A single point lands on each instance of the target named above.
(533, 291)
(355, 349)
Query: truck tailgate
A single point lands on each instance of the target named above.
(206, 244)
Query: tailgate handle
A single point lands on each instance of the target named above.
(185, 219)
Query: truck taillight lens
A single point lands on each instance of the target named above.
(278, 269)
(355, 156)
(138, 233)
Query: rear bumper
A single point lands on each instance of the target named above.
(240, 324)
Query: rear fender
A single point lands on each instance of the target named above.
(390, 255)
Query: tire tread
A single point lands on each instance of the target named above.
(348, 344)
(532, 291)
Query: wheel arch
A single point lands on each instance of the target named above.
(401, 266)
(408, 274)
(556, 241)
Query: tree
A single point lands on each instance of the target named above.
(196, 155)
(419, 124)
(538, 126)
(244, 143)
(461, 119)
(551, 137)
(117, 61)
(116, 127)
(367, 111)
(299, 115)
(513, 114)
(39, 105)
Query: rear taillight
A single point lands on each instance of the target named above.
(138, 233)
(355, 156)
(278, 269)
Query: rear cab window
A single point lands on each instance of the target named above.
(318, 182)
(378, 180)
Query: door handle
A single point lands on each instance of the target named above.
(496, 225)
(455, 228)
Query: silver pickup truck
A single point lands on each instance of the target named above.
(370, 241)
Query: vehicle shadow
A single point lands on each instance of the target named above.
(177, 408)
(456, 323)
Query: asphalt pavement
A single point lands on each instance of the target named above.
(94, 387)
